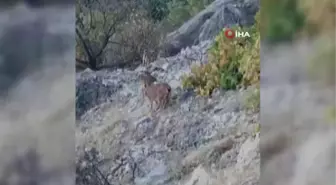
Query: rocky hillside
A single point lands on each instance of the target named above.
(193, 141)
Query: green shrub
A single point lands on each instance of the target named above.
(232, 63)
(173, 13)
(182, 10)
(250, 65)
(178, 13)
(158, 9)
(282, 20)
(204, 79)
(196, 6)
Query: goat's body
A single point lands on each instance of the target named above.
(158, 94)
(166, 93)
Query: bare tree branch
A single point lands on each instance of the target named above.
(108, 35)
(92, 60)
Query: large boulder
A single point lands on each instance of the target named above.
(207, 24)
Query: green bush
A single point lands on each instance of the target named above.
(178, 13)
(250, 62)
(282, 20)
(233, 63)
(158, 9)
(204, 79)
(182, 10)
(173, 13)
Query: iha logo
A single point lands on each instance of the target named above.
(230, 34)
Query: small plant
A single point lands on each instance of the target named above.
(157, 9)
(233, 63)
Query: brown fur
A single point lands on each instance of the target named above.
(146, 79)
(158, 94)
(166, 93)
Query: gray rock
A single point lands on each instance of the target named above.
(208, 23)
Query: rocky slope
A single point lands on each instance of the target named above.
(194, 139)
(192, 133)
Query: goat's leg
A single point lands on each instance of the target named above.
(165, 102)
(142, 96)
(164, 106)
(157, 106)
(151, 106)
